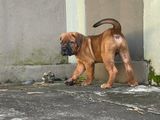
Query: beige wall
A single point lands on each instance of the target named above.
(152, 32)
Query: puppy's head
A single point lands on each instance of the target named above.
(70, 43)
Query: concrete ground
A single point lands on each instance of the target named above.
(59, 102)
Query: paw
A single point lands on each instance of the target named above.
(106, 86)
(133, 83)
(69, 82)
(86, 83)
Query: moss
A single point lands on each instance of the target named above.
(41, 57)
(80, 79)
(153, 78)
(61, 59)
(36, 58)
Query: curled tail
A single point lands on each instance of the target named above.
(115, 23)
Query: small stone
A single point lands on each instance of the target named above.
(48, 77)
(28, 82)
(8, 81)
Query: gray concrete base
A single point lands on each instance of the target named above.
(23, 73)
(27, 72)
(140, 68)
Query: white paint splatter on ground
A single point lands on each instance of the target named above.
(142, 88)
(16, 115)
(134, 90)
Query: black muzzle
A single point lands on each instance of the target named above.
(66, 49)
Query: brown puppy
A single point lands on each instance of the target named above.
(98, 48)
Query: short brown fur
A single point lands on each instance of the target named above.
(100, 48)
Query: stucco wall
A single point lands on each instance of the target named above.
(152, 32)
(29, 31)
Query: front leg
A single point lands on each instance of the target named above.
(77, 72)
(90, 74)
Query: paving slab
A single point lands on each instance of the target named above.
(60, 102)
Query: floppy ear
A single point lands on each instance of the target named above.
(60, 38)
(79, 40)
(78, 37)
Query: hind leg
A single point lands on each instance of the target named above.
(108, 60)
(124, 53)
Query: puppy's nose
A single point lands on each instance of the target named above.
(63, 49)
